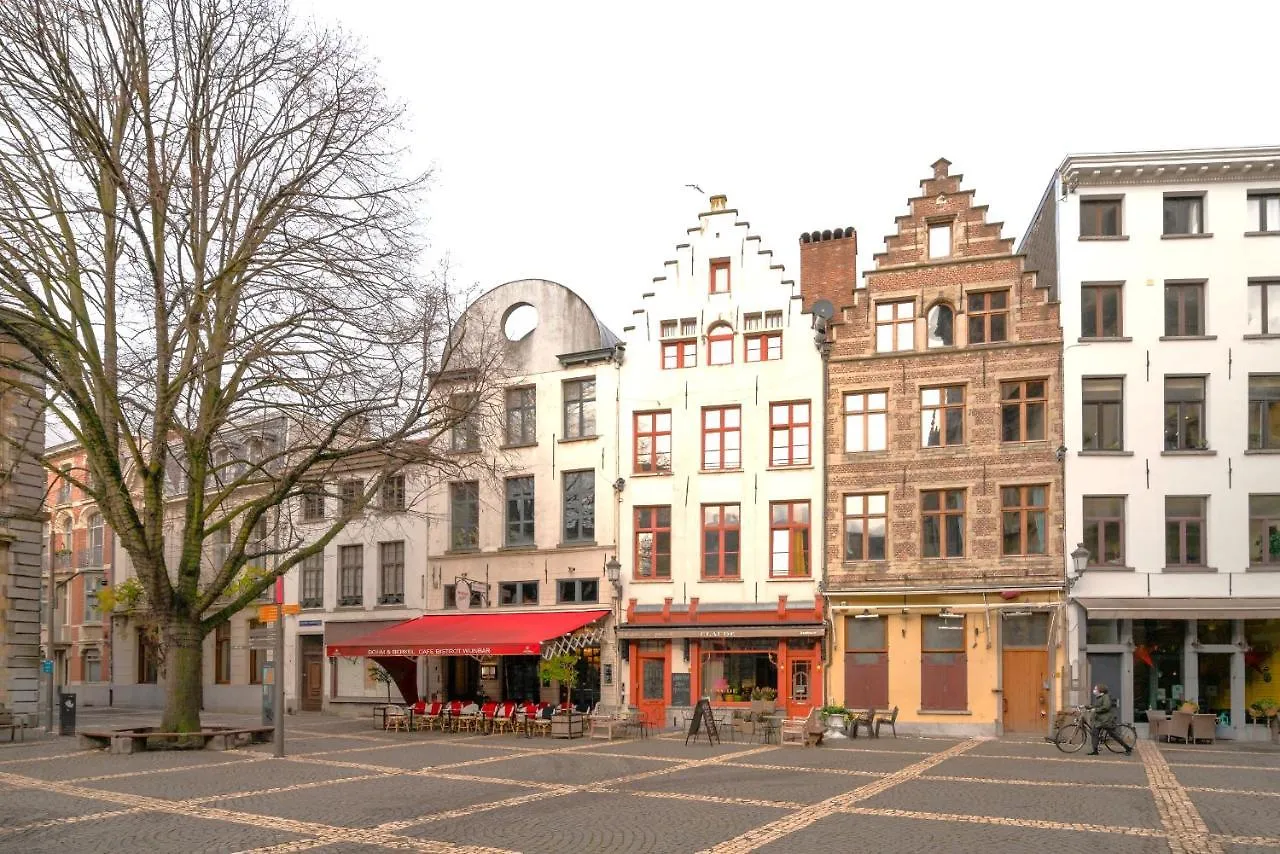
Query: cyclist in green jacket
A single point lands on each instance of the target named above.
(1104, 718)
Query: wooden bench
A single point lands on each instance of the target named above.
(123, 741)
(606, 719)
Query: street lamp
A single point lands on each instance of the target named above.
(1080, 562)
(613, 572)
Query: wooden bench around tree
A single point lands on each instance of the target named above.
(135, 740)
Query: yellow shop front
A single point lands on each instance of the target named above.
(959, 663)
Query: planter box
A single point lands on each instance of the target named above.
(568, 725)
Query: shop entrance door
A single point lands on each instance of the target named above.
(651, 679)
(312, 688)
(1026, 690)
(1105, 669)
(1025, 667)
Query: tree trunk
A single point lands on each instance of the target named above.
(183, 664)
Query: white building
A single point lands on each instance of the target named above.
(1168, 270)
(511, 567)
(372, 576)
(721, 442)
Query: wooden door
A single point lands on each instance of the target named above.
(866, 663)
(1026, 693)
(312, 688)
(651, 681)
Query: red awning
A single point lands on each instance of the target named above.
(517, 633)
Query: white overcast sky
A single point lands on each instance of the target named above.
(562, 135)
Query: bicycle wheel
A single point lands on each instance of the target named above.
(1070, 738)
(1122, 738)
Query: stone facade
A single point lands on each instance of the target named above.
(21, 524)
(943, 428)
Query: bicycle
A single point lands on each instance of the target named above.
(1072, 736)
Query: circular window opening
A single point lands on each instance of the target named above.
(520, 321)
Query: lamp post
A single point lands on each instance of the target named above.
(1080, 562)
(613, 572)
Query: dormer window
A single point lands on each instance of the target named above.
(941, 323)
(940, 240)
(720, 344)
(720, 276)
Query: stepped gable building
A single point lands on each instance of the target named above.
(945, 561)
(720, 512)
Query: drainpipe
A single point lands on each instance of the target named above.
(824, 351)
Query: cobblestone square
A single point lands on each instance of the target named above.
(347, 788)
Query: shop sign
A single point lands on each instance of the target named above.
(717, 633)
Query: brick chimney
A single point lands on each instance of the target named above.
(828, 266)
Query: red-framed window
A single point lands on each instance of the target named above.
(721, 540)
(719, 282)
(679, 354)
(653, 542)
(789, 539)
(721, 438)
(720, 344)
(653, 442)
(766, 347)
(789, 433)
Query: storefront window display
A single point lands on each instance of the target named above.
(1158, 677)
(1261, 662)
(735, 667)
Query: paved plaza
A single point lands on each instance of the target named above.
(347, 788)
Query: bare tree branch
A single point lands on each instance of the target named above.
(210, 245)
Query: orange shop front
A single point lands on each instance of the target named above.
(670, 666)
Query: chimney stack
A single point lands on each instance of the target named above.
(828, 267)
(718, 202)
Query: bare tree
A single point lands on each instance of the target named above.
(209, 242)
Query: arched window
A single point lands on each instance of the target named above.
(62, 544)
(94, 557)
(941, 323)
(720, 344)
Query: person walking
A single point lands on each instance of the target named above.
(1104, 718)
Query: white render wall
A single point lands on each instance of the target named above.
(1228, 474)
(757, 285)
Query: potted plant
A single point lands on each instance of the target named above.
(378, 674)
(834, 716)
(763, 700)
(769, 696)
(564, 670)
(720, 688)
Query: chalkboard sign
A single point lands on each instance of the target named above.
(703, 719)
(679, 689)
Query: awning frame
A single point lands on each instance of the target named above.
(1183, 608)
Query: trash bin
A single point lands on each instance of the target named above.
(66, 714)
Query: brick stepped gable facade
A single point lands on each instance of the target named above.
(981, 260)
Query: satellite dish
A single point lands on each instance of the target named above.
(823, 309)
